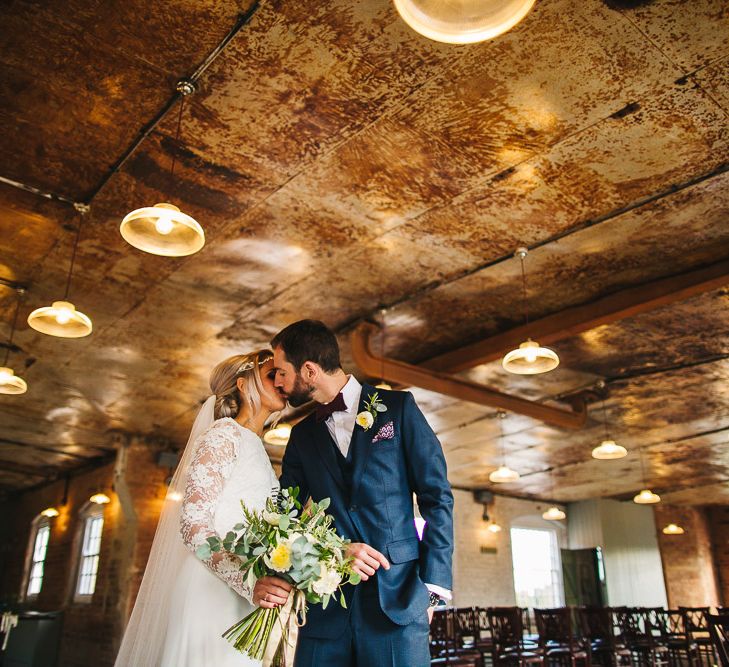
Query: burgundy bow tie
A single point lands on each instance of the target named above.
(337, 405)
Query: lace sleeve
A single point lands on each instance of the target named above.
(210, 468)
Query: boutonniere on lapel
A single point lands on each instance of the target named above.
(367, 417)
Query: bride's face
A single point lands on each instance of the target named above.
(271, 397)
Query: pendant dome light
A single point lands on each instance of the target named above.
(554, 513)
(646, 496)
(529, 358)
(462, 21)
(673, 529)
(10, 383)
(100, 498)
(503, 474)
(608, 449)
(278, 436)
(163, 229)
(61, 318)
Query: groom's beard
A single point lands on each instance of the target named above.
(301, 393)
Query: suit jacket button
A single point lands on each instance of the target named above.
(353, 508)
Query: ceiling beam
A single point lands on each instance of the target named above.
(93, 450)
(409, 375)
(31, 471)
(572, 321)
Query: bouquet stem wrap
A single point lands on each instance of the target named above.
(270, 635)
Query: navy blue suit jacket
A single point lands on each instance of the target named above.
(378, 507)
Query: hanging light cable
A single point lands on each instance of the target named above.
(503, 473)
(608, 449)
(10, 383)
(554, 513)
(382, 384)
(646, 496)
(163, 229)
(462, 21)
(529, 358)
(61, 318)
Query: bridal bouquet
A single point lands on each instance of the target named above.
(299, 547)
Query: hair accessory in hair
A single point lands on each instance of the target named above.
(248, 365)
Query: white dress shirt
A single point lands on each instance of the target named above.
(341, 424)
(341, 427)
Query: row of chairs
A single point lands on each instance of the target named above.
(580, 637)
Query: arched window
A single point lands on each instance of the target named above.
(537, 563)
(90, 548)
(35, 563)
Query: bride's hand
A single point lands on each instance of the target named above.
(366, 559)
(270, 592)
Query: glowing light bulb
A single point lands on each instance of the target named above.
(647, 497)
(5, 375)
(50, 512)
(164, 225)
(531, 355)
(63, 316)
(494, 528)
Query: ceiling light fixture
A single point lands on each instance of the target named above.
(10, 383)
(608, 449)
(61, 318)
(462, 21)
(163, 229)
(100, 499)
(503, 474)
(491, 525)
(50, 512)
(278, 436)
(529, 358)
(673, 529)
(554, 513)
(646, 496)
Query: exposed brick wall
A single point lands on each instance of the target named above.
(487, 579)
(719, 526)
(688, 564)
(91, 631)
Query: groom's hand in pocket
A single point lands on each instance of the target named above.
(271, 592)
(366, 559)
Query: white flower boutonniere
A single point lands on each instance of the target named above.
(367, 417)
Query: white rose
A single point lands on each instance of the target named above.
(328, 581)
(365, 420)
(271, 517)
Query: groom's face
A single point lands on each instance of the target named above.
(289, 380)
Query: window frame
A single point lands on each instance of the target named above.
(86, 540)
(38, 524)
(541, 525)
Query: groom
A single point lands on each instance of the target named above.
(370, 463)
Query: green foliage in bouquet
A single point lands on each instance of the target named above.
(298, 546)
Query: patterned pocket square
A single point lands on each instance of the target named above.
(385, 433)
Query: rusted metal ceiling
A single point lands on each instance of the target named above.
(339, 162)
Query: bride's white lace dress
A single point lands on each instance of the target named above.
(208, 597)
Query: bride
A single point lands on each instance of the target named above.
(185, 604)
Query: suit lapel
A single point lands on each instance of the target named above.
(324, 445)
(361, 442)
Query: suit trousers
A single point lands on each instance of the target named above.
(370, 639)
